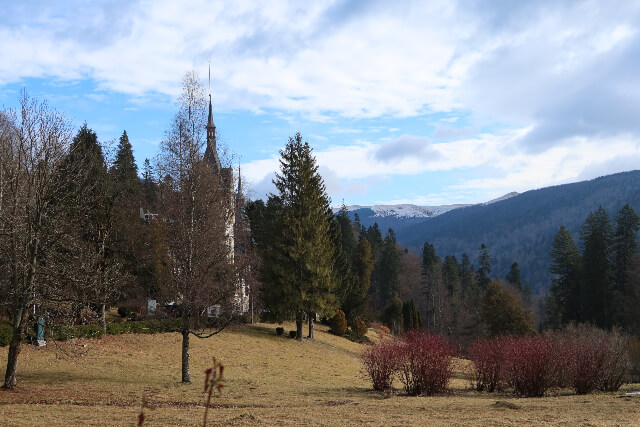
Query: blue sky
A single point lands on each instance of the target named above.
(425, 102)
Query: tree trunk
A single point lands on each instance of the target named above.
(311, 317)
(299, 326)
(185, 357)
(101, 318)
(11, 375)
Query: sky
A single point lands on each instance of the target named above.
(422, 102)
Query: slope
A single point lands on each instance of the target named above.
(522, 228)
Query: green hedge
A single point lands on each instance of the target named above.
(5, 335)
(63, 333)
(151, 326)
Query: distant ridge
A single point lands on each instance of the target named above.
(521, 227)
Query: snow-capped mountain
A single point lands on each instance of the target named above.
(397, 216)
(414, 211)
(406, 210)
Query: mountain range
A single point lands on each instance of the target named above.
(516, 227)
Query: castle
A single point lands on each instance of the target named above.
(236, 202)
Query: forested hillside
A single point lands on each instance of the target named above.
(522, 228)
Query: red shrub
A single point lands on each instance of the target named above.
(486, 357)
(585, 360)
(424, 363)
(380, 361)
(530, 365)
(591, 358)
(617, 362)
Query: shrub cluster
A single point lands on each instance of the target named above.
(359, 326)
(339, 323)
(279, 330)
(530, 365)
(151, 326)
(380, 361)
(423, 363)
(582, 358)
(486, 357)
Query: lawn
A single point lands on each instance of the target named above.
(269, 379)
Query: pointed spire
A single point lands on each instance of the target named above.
(211, 152)
(239, 181)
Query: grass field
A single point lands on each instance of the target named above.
(269, 379)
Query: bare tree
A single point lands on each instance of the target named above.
(197, 208)
(33, 143)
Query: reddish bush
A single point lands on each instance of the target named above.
(584, 360)
(530, 365)
(617, 362)
(424, 363)
(486, 357)
(380, 361)
(591, 358)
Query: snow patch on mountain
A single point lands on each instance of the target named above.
(407, 211)
(415, 211)
(505, 197)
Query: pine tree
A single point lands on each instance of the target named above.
(341, 262)
(451, 275)
(513, 276)
(467, 276)
(392, 315)
(389, 268)
(124, 167)
(95, 267)
(305, 234)
(625, 248)
(348, 239)
(357, 298)
(374, 236)
(484, 267)
(432, 287)
(126, 193)
(410, 316)
(565, 303)
(597, 237)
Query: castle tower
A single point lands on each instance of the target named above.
(211, 152)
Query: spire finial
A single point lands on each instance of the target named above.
(209, 80)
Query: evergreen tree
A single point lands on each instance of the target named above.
(467, 276)
(564, 304)
(95, 268)
(373, 235)
(348, 239)
(357, 298)
(451, 275)
(410, 316)
(513, 276)
(389, 269)
(305, 240)
(392, 315)
(341, 261)
(625, 247)
(126, 194)
(484, 267)
(149, 187)
(432, 283)
(597, 237)
(124, 167)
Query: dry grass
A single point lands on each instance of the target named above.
(269, 379)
